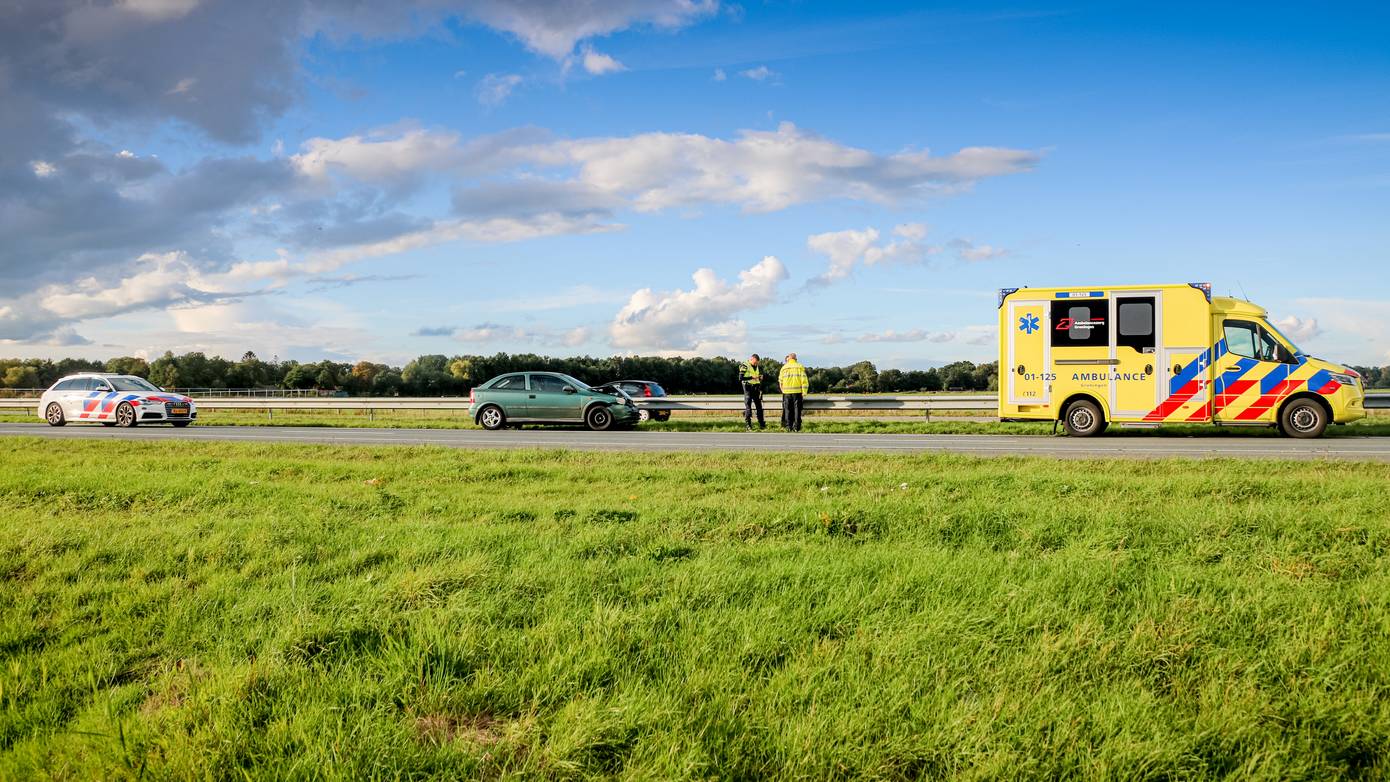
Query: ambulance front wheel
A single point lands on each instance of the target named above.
(1303, 418)
(1084, 419)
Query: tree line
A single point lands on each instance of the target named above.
(440, 375)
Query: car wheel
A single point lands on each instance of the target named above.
(125, 415)
(54, 415)
(662, 415)
(644, 416)
(492, 418)
(180, 424)
(599, 418)
(1303, 418)
(1083, 419)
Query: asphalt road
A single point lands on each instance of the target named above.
(1344, 448)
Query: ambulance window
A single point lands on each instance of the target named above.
(1077, 324)
(1136, 317)
(1240, 338)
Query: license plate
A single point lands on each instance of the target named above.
(178, 410)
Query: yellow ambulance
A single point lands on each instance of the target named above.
(1161, 354)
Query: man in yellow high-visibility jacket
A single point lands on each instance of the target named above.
(750, 376)
(792, 381)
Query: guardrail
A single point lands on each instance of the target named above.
(862, 402)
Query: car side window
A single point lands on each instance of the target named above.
(510, 383)
(548, 384)
(1240, 338)
(100, 385)
(64, 385)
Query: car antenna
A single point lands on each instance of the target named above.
(1242, 291)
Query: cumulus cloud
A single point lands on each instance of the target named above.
(695, 319)
(554, 27)
(598, 63)
(1298, 329)
(847, 249)
(379, 156)
(720, 75)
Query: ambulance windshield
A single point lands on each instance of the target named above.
(1297, 351)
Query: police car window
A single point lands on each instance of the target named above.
(511, 383)
(1136, 322)
(65, 385)
(1240, 338)
(1077, 324)
(131, 384)
(546, 383)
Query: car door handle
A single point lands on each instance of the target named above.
(533, 396)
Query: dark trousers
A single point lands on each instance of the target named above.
(791, 411)
(752, 398)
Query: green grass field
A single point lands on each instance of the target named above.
(1376, 425)
(207, 611)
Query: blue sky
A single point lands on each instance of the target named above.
(330, 179)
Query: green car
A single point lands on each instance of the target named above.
(547, 398)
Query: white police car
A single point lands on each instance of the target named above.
(113, 400)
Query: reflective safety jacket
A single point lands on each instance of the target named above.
(747, 373)
(792, 378)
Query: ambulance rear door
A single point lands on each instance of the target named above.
(1028, 374)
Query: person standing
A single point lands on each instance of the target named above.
(751, 376)
(792, 381)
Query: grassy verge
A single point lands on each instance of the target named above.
(1378, 425)
(189, 610)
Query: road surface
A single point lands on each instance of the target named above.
(1134, 446)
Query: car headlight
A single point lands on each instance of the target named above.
(1346, 380)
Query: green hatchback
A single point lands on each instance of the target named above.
(547, 398)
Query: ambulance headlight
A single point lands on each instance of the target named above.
(1346, 380)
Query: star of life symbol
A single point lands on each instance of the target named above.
(1028, 324)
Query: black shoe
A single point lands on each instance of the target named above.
(762, 426)
(750, 427)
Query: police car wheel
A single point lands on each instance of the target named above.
(54, 415)
(1083, 419)
(492, 418)
(125, 415)
(599, 418)
(1303, 418)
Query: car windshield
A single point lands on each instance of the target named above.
(579, 384)
(1297, 351)
(130, 384)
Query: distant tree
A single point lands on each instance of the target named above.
(164, 372)
(129, 365)
(22, 377)
(428, 376)
(325, 379)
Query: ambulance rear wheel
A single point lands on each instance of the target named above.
(1083, 419)
(1303, 418)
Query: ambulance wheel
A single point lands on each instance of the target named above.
(54, 415)
(1303, 418)
(1083, 419)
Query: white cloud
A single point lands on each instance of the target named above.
(967, 250)
(760, 73)
(554, 28)
(42, 168)
(720, 75)
(764, 171)
(1298, 329)
(494, 88)
(846, 249)
(698, 319)
(379, 156)
(158, 10)
(599, 63)
(502, 333)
